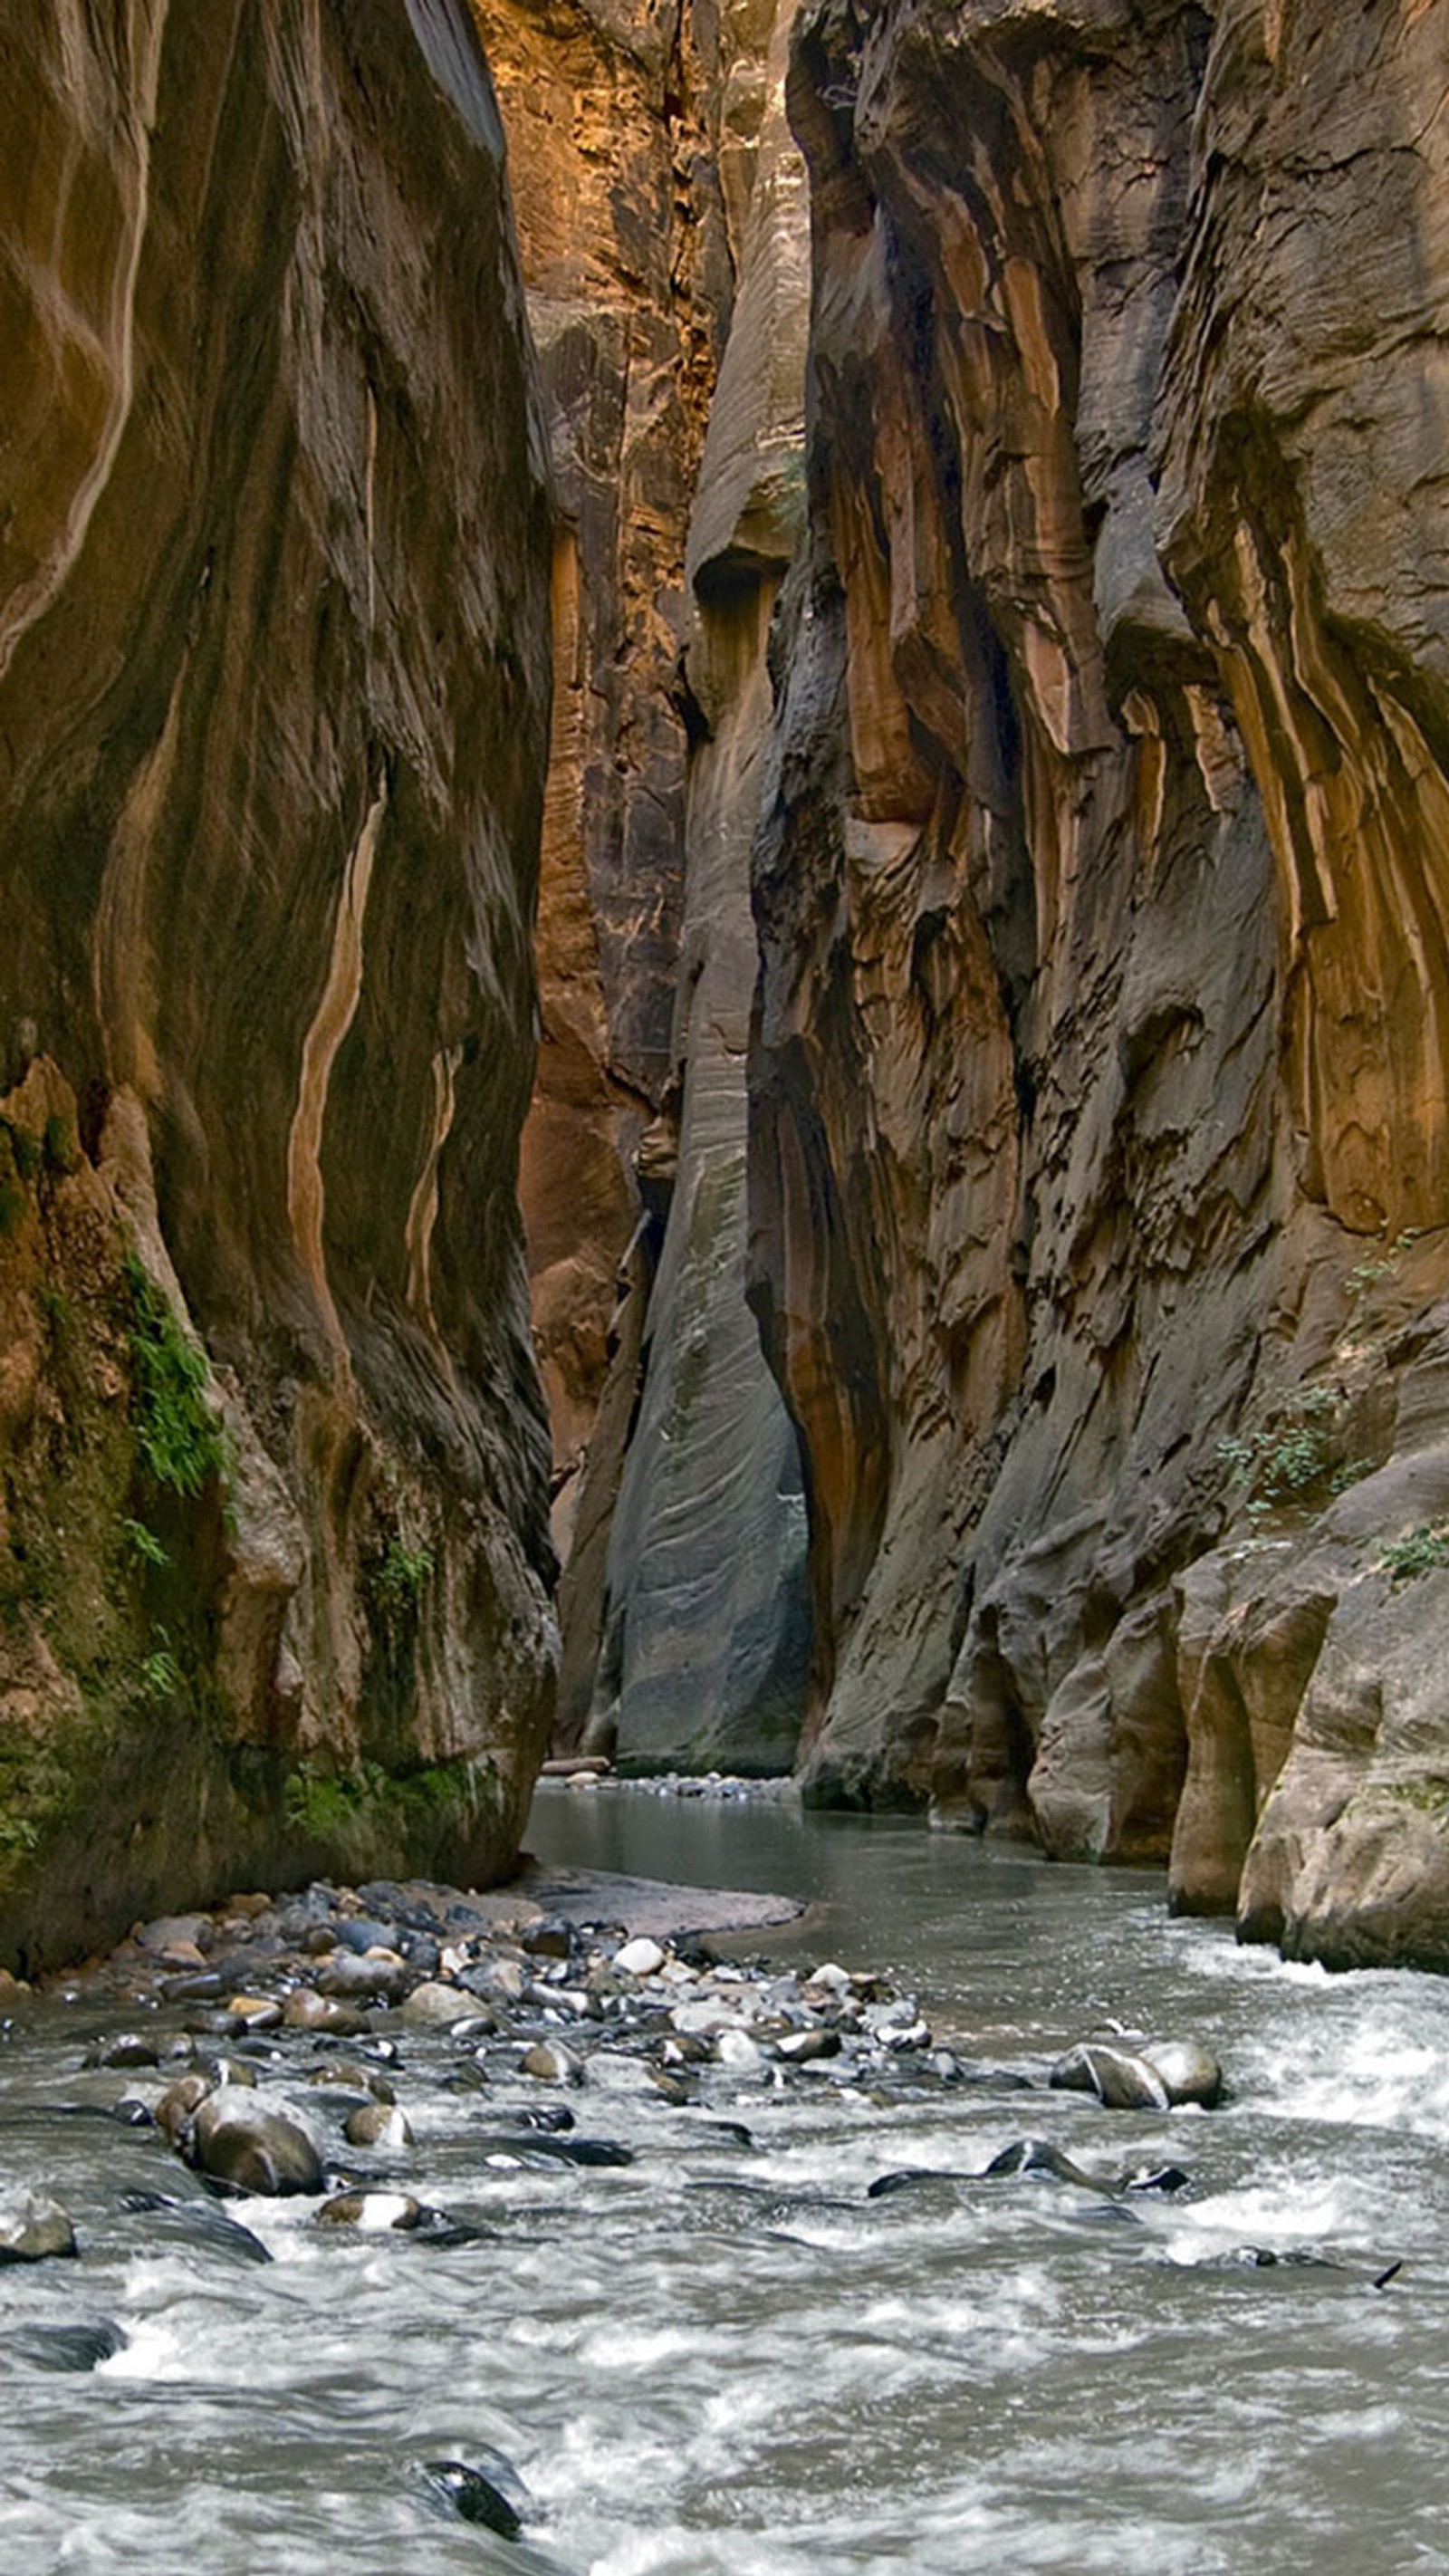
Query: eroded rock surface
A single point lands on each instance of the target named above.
(273, 701)
(627, 259)
(706, 1620)
(1097, 1092)
(664, 229)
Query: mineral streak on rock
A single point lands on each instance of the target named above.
(1100, 896)
(274, 644)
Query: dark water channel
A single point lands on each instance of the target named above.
(791, 2377)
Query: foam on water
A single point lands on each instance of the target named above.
(988, 2376)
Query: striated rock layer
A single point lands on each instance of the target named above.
(273, 706)
(1097, 1088)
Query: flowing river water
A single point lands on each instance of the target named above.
(725, 2360)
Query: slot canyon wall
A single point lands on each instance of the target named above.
(1095, 1115)
(664, 232)
(1098, 1087)
(274, 673)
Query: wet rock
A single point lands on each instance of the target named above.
(62, 2348)
(1167, 2179)
(1263, 2258)
(74, 2347)
(358, 1932)
(551, 2118)
(549, 2062)
(374, 2213)
(729, 2133)
(198, 2223)
(494, 2497)
(375, 1979)
(537, 2147)
(1039, 2156)
(1120, 2080)
(916, 2178)
(431, 2006)
(702, 2017)
(803, 2047)
(236, 2139)
(612, 2072)
(642, 1958)
(185, 1933)
(128, 2049)
(228, 2070)
(255, 2012)
(468, 2077)
(377, 2124)
(252, 1904)
(34, 2229)
(178, 2103)
(475, 2026)
(133, 2113)
(550, 1939)
(1189, 2071)
(348, 2077)
(397, 2213)
(304, 2009)
(492, 1981)
(687, 2048)
(741, 2054)
(828, 1979)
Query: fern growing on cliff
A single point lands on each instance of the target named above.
(183, 1445)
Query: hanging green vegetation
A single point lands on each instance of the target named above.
(183, 1445)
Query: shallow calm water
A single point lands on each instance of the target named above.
(701, 2380)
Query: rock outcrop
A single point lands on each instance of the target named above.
(1098, 1106)
(273, 705)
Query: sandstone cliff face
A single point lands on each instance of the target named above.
(627, 263)
(663, 226)
(1097, 1088)
(706, 1624)
(273, 698)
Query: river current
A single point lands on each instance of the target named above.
(791, 2379)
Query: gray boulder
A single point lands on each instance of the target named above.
(237, 2138)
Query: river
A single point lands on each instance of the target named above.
(791, 2379)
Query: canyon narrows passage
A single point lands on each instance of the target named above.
(724, 804)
